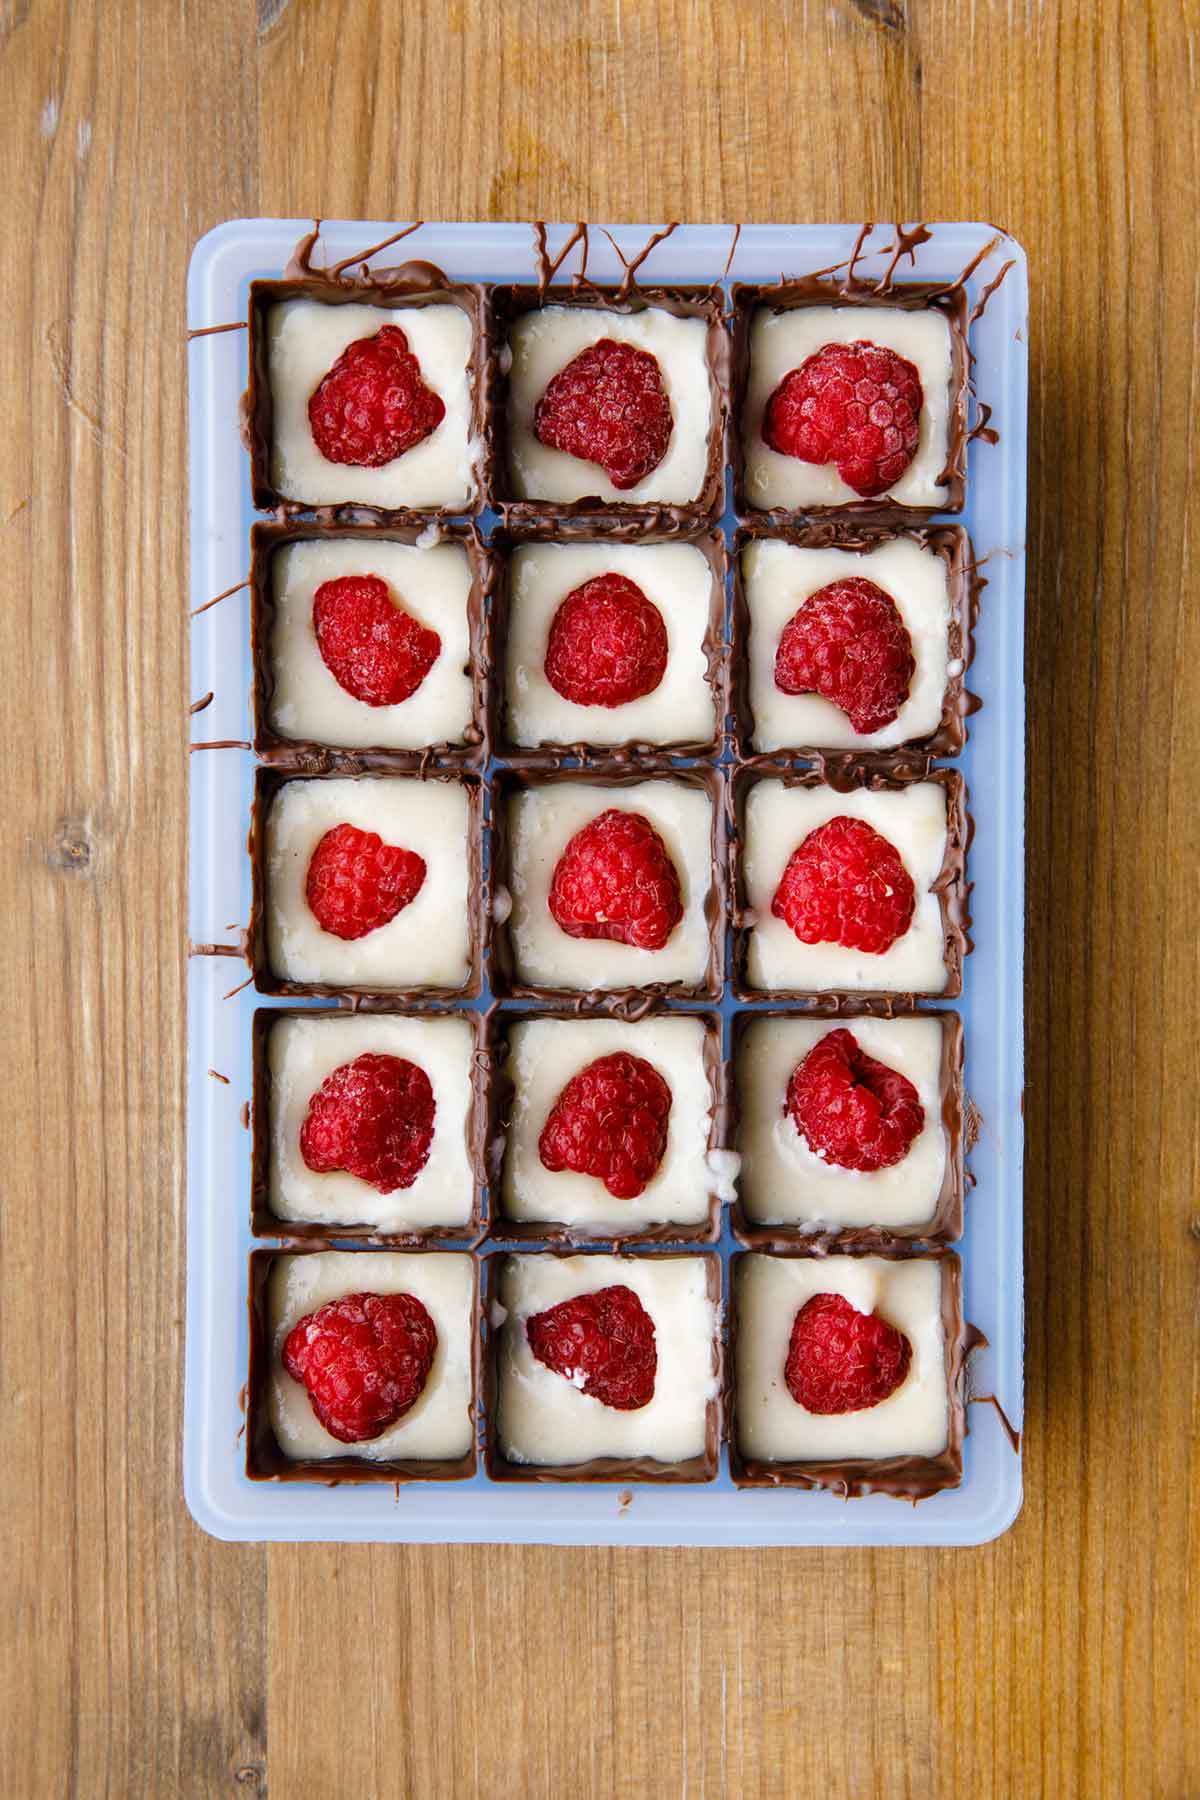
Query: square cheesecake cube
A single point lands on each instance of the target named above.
(429, 946)
(909, 1443)
(780, 578)
(776, 331)
(538, 817)
(921, 822)
(789, 1187)
(542, 1425)
(681, 585)
(540, 1058)
(299, 332)
(307, 705)
(544, 331)
(298, 1056)
(435, 1439)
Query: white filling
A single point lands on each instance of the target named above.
(914, 1421)
(545, 341)
(544, 1419)
(428, 943)
(306, 338)
(309, 703)
(780, 577)
(781, 340)
(541, 822)
(544, 1056)
(304, 1052)
(778, 819)
(676, 578)
(440, 1423)
(784, 1181)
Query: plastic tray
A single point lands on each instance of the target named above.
(218, 1493)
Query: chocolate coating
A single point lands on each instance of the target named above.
(944, 1225)
(599, 1468)
(904, 1477)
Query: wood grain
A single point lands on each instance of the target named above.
(140, 1658)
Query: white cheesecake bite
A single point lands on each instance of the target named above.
(783, 338)
(440, 1425)
(305, 340)
(675, 578)
(543, 1056)
(428, 943)
(545, 340)
(785, 1181)
(545, 1420)
(771, 1425)
(304, 1051)
(778, 818)
(778, 578)
(542, 820)
(307, 701)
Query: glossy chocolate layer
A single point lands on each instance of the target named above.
(945, 1223)
(904, 1477)
(266, 1224)
(599, 1468)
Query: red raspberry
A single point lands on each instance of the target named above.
(372, 405)
(371, 646)
(845, 884)
(610, 1121)
(608, 406)
(364, 1361)
(603, 1343)
(615, 880)
(356, 882)
(849, 644)
(373, 1118)
(840, 1360)
(607, 645)
(855, 405)
(851, 1109)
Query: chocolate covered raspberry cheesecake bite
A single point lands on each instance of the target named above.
(607, 1128)
(366, 394)
(849, 1129)
(362, 1365)
(366, 1124)
(854, 890)
(849, 641)
(848, 1372)
(610, 402)
(608, 883)
(609, 645)
(367, 885)
(368, 645)
(603, 1368)
(849, 403)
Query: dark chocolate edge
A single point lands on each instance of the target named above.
(327, 1234)
(950, 884)
(507, 300)
(307, 756)
(696, 1469)
(711, 545)
(267, 782)
(952, 544)
(629, 1001)
(265, 1460)
(809, 290)
(504, 1228)
(945, 1224)
(910, 1478)
(427, 287)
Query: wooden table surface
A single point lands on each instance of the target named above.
(141, 1658)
